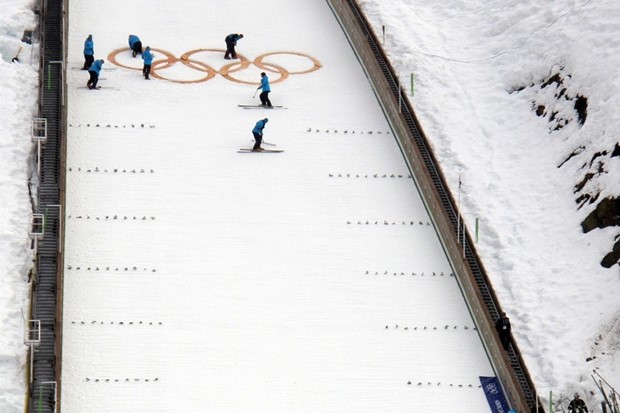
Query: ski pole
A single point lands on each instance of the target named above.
(253, 96)
(16, 58)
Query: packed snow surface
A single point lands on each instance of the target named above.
(250, 279)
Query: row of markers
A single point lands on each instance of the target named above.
(315, 130)
(126, 380)
(97, 125)
(387, 223)
(113, 217)
(446, 327)
(134, 268)
(350, 175)
(386, 272)
(115, 170)
(120, 323)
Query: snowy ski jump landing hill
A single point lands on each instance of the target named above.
(201, 279)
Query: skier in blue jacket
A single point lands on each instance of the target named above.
(93, 71)
(89, 52)
(264, 85)
(135, 45)
(231, 41)
(258, 134)
(147, 56)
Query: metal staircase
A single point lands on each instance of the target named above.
(44, 380)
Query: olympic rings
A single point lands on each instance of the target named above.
(226, 70)
(491, 388)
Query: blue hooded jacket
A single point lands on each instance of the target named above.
(89, 47)
(147, 56)
(260, 125)
(264, 84)
(96, 66)
(132, 39)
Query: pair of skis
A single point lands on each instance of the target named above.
(261, 107)
(249, 150)
(98, 88)
(246, 150)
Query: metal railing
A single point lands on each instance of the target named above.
(46, 222)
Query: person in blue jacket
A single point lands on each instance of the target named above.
(264, 85)
(231, 41)
(147, 56)
(258, 134)
(93, 71)
(135, 45)
(89, 52)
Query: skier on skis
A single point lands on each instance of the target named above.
(577, 405)
(93, 71)
(147, 56)
(135, 45)
(264, 85)
(89, 52)
(258, 134)
(231, 41)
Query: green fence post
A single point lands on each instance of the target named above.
(550, 401)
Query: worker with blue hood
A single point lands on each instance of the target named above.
(94, 71)
(135, 45)
(89, 52)
(258, 134)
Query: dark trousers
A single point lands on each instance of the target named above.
(146, 71)
(264, 99)
(504, 336)
(94, 78)
(259, 140)
(230, 50)
(136, 48)
(88, 60)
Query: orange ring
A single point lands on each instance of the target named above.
(194, 64)
(316, 64)
(243, 63)
(114, 53)
(210, 71)
(225, 72)
(188, 62)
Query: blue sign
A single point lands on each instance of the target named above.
(495, 394)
